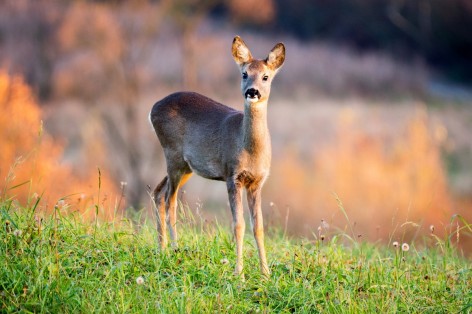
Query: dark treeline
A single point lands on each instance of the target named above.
(438, 31)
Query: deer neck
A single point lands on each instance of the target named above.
(255, 131)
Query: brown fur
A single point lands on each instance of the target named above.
(217, 142)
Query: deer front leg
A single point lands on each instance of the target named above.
(239, 226)
(254, 202)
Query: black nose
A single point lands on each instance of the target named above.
(252, 93)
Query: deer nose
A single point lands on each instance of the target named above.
(252, 93)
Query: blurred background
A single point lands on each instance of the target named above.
(371, 113)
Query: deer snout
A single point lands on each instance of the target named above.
(252, 93)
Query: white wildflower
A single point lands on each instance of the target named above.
(140, 280)
(405, 247)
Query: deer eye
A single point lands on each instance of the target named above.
(265, 77)
(244, 75)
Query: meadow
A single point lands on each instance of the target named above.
(60, 263)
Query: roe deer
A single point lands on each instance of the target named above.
(218, 142)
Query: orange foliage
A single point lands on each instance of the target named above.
(91, 26)
(382, 181)
(256, 11)
(91, 43)
(29, 154)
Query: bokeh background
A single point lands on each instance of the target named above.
(371, 115)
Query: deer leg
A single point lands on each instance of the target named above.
(235, 200)
(178, 181)
(254, 202)
(160, 207)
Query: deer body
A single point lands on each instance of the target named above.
(217, 142)
(217, 146)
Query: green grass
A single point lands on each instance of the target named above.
(65, 265)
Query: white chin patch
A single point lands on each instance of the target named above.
(252, 99)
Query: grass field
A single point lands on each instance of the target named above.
(61, 264)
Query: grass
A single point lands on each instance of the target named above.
(66, 265)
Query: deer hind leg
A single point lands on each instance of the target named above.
(160, 210)
(177, 180)
(254, 202)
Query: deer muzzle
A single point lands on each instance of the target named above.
(252, 94)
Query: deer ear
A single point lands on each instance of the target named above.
(276, 57)
(241, 53)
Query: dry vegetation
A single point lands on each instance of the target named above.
(382, 174)
(31, 160)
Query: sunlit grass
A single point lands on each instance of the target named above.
(63, 264)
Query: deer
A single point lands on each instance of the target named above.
(199, 135)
